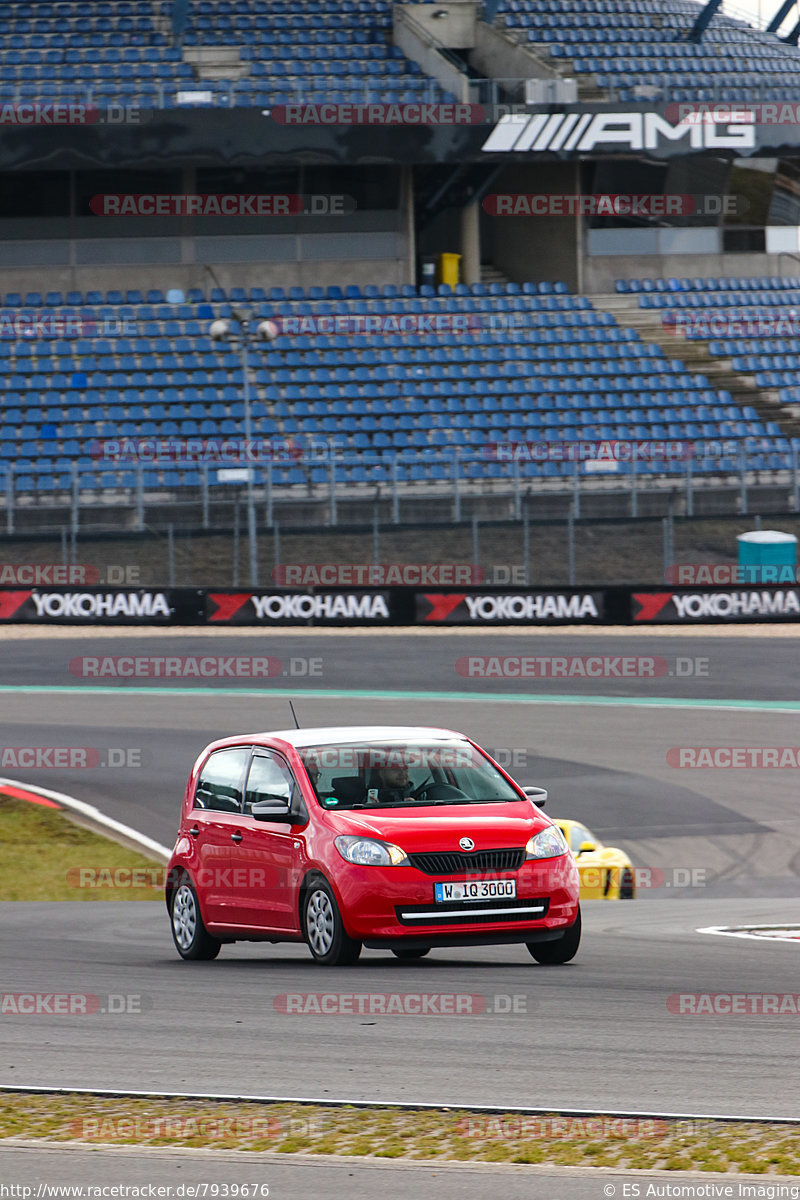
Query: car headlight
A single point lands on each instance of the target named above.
(369, 852)
(550, 843)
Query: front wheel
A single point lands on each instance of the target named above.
(325, 933)
(407, 952)
(562, 949)
(192, 939)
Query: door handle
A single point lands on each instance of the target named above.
(194, 831)
(236, 837)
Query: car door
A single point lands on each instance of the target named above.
(215, 818)
(266, 861)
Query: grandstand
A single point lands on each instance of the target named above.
(555, 333)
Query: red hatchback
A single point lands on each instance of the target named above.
(394, 838)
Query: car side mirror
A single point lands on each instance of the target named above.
(537, 795)
(587, 848)
(271, 810)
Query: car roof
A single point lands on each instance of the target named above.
(331, 735)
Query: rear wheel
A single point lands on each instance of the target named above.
(325, 933)
(409, 953)
(560, 950)
(192, 939)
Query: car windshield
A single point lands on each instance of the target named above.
(404, 775)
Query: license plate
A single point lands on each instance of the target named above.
(486, 889)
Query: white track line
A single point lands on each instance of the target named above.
(402, 1106)
(751, 931)
(96, 816)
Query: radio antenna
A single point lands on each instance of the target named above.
(294, 715)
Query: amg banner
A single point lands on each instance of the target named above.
(301, 608)
(511, 608)
(101, 606)
(703, 606)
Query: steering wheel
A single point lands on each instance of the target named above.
(419, 791)
(438, 793)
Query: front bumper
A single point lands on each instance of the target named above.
(381, 905)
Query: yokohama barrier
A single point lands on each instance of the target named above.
(398, 606)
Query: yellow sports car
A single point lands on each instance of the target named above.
(606, 871)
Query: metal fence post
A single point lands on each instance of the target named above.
(743, 481)
(75, 498)
(171, 555)
(526, 547)
(270, 502)
(204, 485)
(236, 542)
(332, 472)
(456, 488)
(276, 548)
(576, 488)
(517, 497)
(395, 494)
(376, 535)
(634, 492)
(9, 499)
(571, 546)
(689, 488)
(795, 480)
(475, 541)
(139, 497)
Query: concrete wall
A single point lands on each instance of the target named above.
(498, 56)
(412, 40)
(529, 247)
(456, 30)
(600, 273)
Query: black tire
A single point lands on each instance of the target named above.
(324, 930)
(551, 954)
(192, 940)
(408, 953)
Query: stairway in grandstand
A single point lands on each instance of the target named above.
(705, 354)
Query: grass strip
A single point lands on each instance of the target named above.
(625, 1143)
(46, 856)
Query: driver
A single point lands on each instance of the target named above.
(389, 785)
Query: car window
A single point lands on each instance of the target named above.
(578, 836)
(400, 775)
(269, 779)
(219, 784)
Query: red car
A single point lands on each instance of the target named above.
(394, 838)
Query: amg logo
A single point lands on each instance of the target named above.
(538, 132)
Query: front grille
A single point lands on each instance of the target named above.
(480, 862)
(476, 912)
